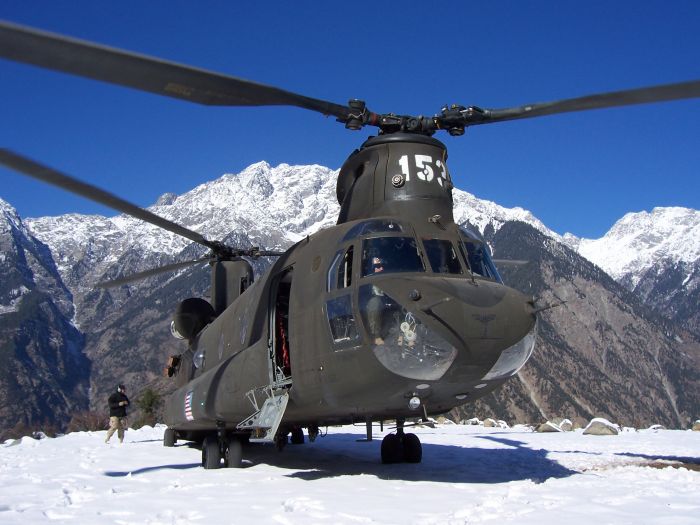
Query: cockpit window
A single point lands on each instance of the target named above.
(442, 256)
(341, 321)
(389, 255)
(373, 226)
(478, 255)
(479, 260)
(340, 272)
(399, 340)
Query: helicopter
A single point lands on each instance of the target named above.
(396, 313)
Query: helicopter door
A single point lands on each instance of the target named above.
(281, 366)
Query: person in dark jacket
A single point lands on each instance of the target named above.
(117, 413)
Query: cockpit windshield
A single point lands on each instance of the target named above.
(476, 252)
(442, 256)
(389, 255)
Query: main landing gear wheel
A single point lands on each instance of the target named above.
(297, 437)
(169, 437)
(281, 441)
(211, 452)
(234, 453)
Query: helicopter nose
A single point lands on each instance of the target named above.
(438, 324)
(496, 326)
(481, 316)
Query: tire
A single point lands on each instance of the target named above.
(412, 449)
(281, 441)
(169, 437)
(234, 453)
(392, 449)
(297, 437)
(211, 453)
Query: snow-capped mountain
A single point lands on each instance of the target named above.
(284, 203)
(483, 214)
(640, 241)
(274, 206)
(26, 264)
(43, 363)
(656, 255)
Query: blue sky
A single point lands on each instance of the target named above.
(577, 172)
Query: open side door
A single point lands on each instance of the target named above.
(280, 360)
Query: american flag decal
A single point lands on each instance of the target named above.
(188, 406)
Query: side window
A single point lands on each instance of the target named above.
(340, 272)
(333, 271)
(345, 271)
(342, 321)
(442, 256)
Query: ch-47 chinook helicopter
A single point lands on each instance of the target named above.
(395, 313)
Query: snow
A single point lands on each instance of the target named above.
(469, 474)
(9, 219)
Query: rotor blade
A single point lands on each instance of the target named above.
(87, 59)
(646, 95)
(149, 273)
(510, 262)
(38, 171)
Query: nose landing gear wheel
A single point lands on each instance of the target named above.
(392, 449)
(412, 449)
(211, 452)
(401, 447)
(234, 454)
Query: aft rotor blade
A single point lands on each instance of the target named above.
(628, 97)
(510, 262)
(149, 273)
(43, 173)
(116, 66)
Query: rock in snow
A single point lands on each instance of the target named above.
(601, 427)
(548, 427)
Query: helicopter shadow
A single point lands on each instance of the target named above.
(145, 470)
(441, 463)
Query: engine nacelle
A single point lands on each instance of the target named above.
(190, 317)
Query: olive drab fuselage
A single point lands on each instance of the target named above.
(394, 302)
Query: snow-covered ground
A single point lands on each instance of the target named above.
(469, 475)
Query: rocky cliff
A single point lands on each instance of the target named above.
(44, 376)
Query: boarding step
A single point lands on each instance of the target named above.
(265, 421)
